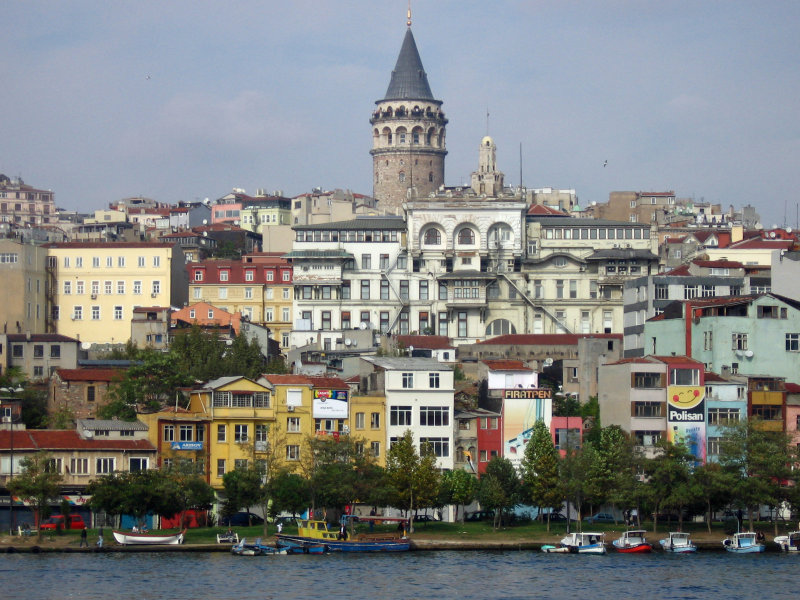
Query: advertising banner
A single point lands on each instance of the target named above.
(330, 404)
(686, 422)
(187, 445)
(521, 409)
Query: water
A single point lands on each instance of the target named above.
(415, 575)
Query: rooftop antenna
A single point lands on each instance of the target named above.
(408, 15)
(520, 167)
(487, 120)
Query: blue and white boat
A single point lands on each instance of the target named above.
(790, 542)
(744, 542)
(678, 542)
(585, 543)
(255, 549)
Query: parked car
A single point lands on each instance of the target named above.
(480, 515)
(286, 521)
(555, 517)
(75, 522)
(424, 518)
(240, 519)
(600, 517)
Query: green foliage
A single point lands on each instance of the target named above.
(575, 472)
(227, 249)
(61, 418)
(713, 486)
(242, 488)
(34, 408)
(414, 477)
(591, 412)
(276, 366)
(500, 488)
(136, 493)
(37, 484)
(193, 491)
(669, 484)
(290, 493)
(541, 482)
(565, 405)
(458, 373)
(457, 487)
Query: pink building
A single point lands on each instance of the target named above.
(567, 433)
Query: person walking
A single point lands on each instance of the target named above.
(84, 541)
(100, 538)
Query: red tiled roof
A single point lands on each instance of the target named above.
(332, 383)
(429, 342)
(109, 245)
(236, 270)
(718, 264)
(144, 309)
(89, 374)
(711, 376)
(551, 339)
(506, 365)
(682, 271)
(672, 360)
(761, 244)
(793, 388)
(288, 379)
(60, 439)
(40, 337)
(545, 211)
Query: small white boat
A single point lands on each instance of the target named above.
(585, 543)
(678, 542)
(744, 542)
(790, 542)
(632, 541)
(127, 538)
(255, 549)
(560, 549)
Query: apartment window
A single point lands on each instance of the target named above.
(141, 261)
(345, 290)
(434, 416)
(708, 340)
(96, 262)
(400, 416)
(292, 452)
(77, 313)
(462, 324)
(404, 289)
(109, 261)
(220, 467)
(739, 341)
(104, 466)
(285, 314)
(684, 377)
(120, 287)
(38, 351)
(648, 409)
(404, 322)
(375, 420)
(723, 416)
(137, 464)
(223, 275)
(559, 288)
(66, 262)
(708, 291)
(210, 313)
(423, 290)
(573, 288)
(646, 438)
(156, 287)
(79, 466)
(442, 291)
(439, 445)
(793, 342)
(67, 287)
(375, 449)
(248, 275)
(365, 289)
(248, 293)
(137, 288)
(293, 424)
(95, 313)
(384, 261)
(78, 287)
(240, 464)
(433, 380)
(108, 287)
(366, 261)
(408, 380)
(55, 351)
(647, 380)
(384, 289)
(185, 433)
(689, 292)
(326, 320)
(360, 422)
(169, 433)
(384, 321)
(285, 275)
(443, 323)
(222, 433)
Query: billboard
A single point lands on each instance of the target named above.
(330, 404)
(686, 422)
(521, 409)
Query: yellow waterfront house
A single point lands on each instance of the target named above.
(241, 415)
(368, 426)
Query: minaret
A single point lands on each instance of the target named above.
(408, 134)
(487, 180)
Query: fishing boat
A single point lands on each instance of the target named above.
(744, 542)
(127, 538)
(313, 535)
(790, 542)
(678, 542)
(584, 543)
(632, 541)
(559, 549)
(255, 549)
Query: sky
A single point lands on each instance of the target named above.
(186, 100)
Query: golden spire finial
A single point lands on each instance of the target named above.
(408, 15)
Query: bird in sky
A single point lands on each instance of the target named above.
(605, 164)
(147, 76)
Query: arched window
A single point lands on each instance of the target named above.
(401, 176)
(500, 327)
(460, 454)
(433, 237)
(466, 236)
(430, 176)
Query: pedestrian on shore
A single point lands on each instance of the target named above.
(100, 538)
(84, 541)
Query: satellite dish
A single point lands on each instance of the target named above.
(86, 345)
(362, 325)
(348, 341)
(88, 433)
(748, 353)
(355, 343)
(548, 362)
(205, 221)
(739, 353)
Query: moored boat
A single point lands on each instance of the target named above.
(313, 535)
(255, 549)
(128, 538)
(744, 542)
(790, 542)
(632, 541)
(585, 543)
(559, 549)
(678, 542)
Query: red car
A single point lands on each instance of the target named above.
(75, 522)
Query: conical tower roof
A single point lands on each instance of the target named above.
(409, 80)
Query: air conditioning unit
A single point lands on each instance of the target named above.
(290, 408)
(153, 295)
(6, 419)
(94, 296)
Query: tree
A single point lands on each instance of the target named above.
(500, 488)
(668, 479)
(566, 405)
(244, 358)
(290, 493)
(574, 471)
(540, 477)
(242, 489)
(414, 477)
(613, 471)
(192, 490)
(458, 487)
(713, 485)
(759, 462)
(38, 484)
(136, 493)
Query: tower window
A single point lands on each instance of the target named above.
(430, 176)
(401, 138)
(415, 138)
(401, 176)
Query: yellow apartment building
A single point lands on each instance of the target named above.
(367, 426)
(292, 398)
(179, 434)
(241, 414)
(94, 287)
